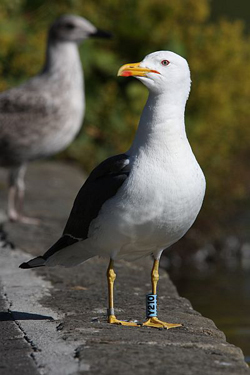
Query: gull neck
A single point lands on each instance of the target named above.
(63, 62)
(161, 124)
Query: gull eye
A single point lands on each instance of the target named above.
(69, 26)
(165, 62)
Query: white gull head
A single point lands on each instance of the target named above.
(160, 72)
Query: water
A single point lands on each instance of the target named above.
(222, 295)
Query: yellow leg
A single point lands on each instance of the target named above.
(154, 321)
(155, 276)
(111, 313)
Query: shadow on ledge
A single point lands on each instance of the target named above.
(18, 315)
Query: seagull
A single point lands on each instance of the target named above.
(43, 115)
(141, 202)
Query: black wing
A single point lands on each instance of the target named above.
(101, 185)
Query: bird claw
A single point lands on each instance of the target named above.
(14, 217)
(156, 323)
(112, 319)
(29, 220)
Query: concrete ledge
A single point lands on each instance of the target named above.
(78, 296)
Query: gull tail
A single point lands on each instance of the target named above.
(40, 261)
(67, 252)
(36, 262)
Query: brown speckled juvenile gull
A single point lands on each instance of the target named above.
(42, 116)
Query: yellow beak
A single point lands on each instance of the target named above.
(134, 69)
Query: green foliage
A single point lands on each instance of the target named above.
(218, 110)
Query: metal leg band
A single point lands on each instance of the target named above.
(111, 311)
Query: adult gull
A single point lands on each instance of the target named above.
(143, 201)
(43, 115)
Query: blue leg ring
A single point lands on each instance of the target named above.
(151, 305)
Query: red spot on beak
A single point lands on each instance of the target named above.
(126, 73)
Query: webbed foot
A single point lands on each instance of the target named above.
(156, 323)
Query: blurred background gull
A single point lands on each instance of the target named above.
(211, 265)
(43, 115)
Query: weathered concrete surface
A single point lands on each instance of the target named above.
(78, 298)
(13, 345)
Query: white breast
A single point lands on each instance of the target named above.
(163, 194)
(154, 208)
